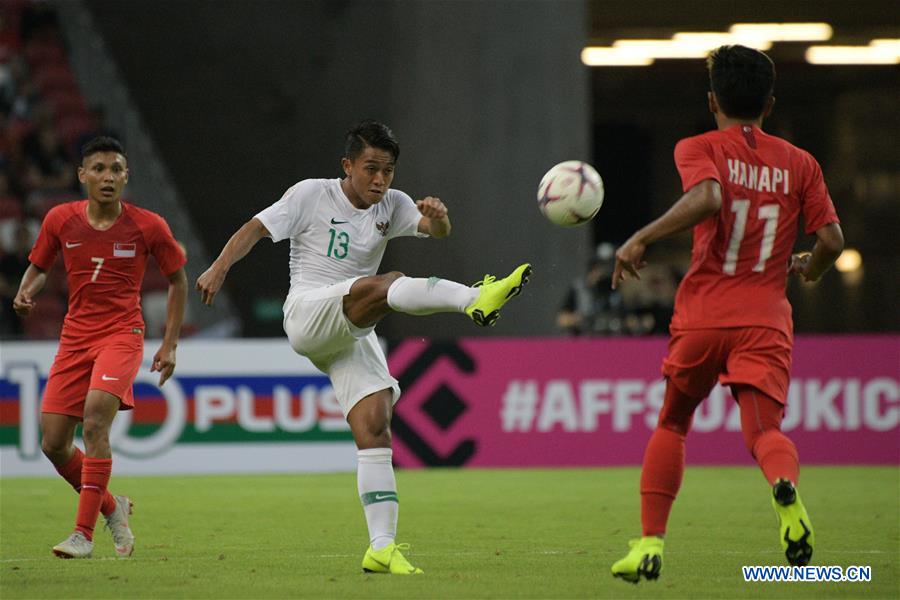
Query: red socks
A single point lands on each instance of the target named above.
(664, 460)
(664, 457)
(71, 472)
(777, 457)
(660, 479)
(95, 474)
(761, 425)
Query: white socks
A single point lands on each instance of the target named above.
(378, 493)
(419, 296)
(375, 473)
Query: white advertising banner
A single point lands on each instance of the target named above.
(236, 406)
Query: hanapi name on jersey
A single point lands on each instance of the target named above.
(757, 177)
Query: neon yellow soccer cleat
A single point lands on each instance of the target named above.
(494, 293)
(389, 560)
(796, 532)
(644, 559)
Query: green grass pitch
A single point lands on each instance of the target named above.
(476, 533)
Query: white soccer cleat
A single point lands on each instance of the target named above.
(74, 546)
(117, 523)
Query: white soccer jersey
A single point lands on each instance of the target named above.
(332, 240)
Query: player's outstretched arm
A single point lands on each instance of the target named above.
(696, 205)
(435, 220)
(32, 283)
(210, 282)
(164, 359)
(829, 245)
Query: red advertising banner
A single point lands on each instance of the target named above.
(580, 402)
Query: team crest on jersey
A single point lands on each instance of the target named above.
(383, 228)
(121, 250)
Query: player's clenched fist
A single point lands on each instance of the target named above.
(23, 304)
(799, 265)
(209, 284)
(432, 207)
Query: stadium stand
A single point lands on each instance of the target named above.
(44, 120)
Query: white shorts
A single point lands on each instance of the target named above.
(317, 328)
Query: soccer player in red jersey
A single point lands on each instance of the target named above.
(744, 191)
(105, 244)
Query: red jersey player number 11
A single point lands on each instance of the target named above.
(105, 244)
(744, 193)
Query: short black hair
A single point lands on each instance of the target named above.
(743, 80)
(370, 133)
(102, 144)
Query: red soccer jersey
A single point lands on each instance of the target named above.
(740, 256)
(104, 268)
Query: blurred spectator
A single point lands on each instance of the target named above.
(42, 120)
(12, 267)
(650, 301)
(591, 307)
(645, 307)
(48, 165)
(10, 42)
(97, 127)
(18, 91)
(8, 81)
(10, 201)
(39, 27)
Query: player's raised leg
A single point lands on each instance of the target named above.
(370, 422)
(372, 298)
(777, 456)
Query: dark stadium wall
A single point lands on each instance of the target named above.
(246, 98)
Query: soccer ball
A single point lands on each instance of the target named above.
(570, 193)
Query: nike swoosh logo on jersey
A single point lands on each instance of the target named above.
(383, 496)
(333, 222)
(73, 244)
(106, 377)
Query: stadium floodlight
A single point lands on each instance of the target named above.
(698, 44)
(886, 52)
(889, 43)
(603, 56)
(850, 260)
(783, 32)
(685, 44)
(660, 49)
(713, 39)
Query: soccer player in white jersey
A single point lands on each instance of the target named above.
(339, 229)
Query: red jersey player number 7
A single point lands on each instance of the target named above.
(105, 245)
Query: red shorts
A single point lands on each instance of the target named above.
(755, 356)
(110, 365)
